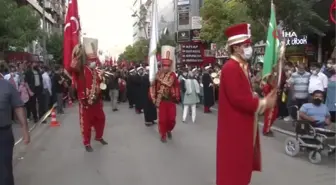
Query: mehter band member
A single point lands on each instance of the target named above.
(165, 93)
(150, 113)
(89, 94)
(238, 109)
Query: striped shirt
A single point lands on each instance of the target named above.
(300, 83)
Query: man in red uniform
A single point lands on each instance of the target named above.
(91, 113)
(165, 93)
(270, 114)
(238, 147)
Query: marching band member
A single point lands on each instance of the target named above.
(165, 93)
(150, 113)
(130, 88)
(238, 109)
(89, 94)
(208, 90)
(140, 90)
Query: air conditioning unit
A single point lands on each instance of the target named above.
(48, 4)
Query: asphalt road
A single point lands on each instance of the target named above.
(135, 155)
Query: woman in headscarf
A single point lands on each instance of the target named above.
(190, 97)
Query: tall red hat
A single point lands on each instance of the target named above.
(166, 61)
(238, 34)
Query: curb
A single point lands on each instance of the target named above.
(273, 128)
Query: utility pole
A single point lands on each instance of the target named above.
(44, 35)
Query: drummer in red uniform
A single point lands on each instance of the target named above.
(91, 113)
(238, 147)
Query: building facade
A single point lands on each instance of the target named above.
(54, 12)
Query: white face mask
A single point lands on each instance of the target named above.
(92, 65)
(329, 65)
(314, 72)
(248, 52)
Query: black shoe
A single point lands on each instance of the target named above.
(154, 123)
(114, 110)
(169, 135)
(148, 124)
(102, 141)
(131, 106)
(88, 148)
(44, 122)
(163, 140)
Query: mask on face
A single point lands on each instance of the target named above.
(314, 72)
(329, 65)
(248, 53)
(185, 74)
(92, 65)
(317, 101)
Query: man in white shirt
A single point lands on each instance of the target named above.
(318, 80)
(47, 93)
(13, 77)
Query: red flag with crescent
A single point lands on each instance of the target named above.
(71, 32)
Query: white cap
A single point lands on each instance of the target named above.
(207, 67)
(147, 67)
(132, 70)
(193, 70)
(139, 68)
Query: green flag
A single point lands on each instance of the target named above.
(272, 45)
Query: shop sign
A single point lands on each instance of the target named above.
(221, 53)
(292, 39)
(195, 35)
(191, 52)
(183, 36)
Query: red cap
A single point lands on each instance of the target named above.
(238, 34)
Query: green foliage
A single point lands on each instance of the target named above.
(217, 15)
(19, 25)
(166, 40)
(297, 15)
(55, 47)
(136, 52)
(140, 49)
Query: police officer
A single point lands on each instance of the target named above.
(9, 100)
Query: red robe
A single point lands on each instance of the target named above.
(91, 113)
(165, 93)
(270, 114)
(238, 147)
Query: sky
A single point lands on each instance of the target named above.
(110, 22)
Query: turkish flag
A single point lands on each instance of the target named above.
(71, 33)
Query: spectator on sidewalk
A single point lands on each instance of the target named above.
(331, 90)
(316, 112)
(33, 77)
(9, 100)
(299, 83)
(318, 80)
(57, 86)
(47, 93)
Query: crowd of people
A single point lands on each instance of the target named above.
(299, 84)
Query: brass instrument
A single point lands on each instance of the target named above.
(103, 74)
(215, 77)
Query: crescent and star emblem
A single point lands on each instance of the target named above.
(332, 11)
(72, 19)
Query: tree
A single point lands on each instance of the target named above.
(19, 25)
(166, 39)
(55, 47)
(141, 49)
(297, 15)
(217, 15)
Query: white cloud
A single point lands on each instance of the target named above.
(109, 21)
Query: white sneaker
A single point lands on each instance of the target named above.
(288, 118)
